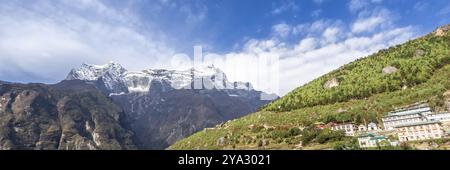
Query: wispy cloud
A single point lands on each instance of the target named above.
(282, 30)
(326, 46)
(369, 21)
(318, 1)
(42, 40)
(356, 5)
(421, 6)
(285, 6)
(316, 13)
(445, 10)
(194, 13)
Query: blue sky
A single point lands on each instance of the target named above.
(40, 41)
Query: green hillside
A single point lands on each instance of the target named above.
(361, 91)
(415, 60)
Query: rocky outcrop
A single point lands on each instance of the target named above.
(447, 100)
(389, 70)
(331, 83)
(419, 53)
(441, 31)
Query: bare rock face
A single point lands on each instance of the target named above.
(447, 99)
(447, 93)
(331, 83)
(265, 142)
(221, 141)
(419, 53)
(341, 110)
(441, 31)
(389, 70)
(47, 117)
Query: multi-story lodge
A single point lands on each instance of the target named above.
(349, 129)
(442, 117)
(406, 116)
(419, 131)
(371, 127)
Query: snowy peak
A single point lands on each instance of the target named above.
(92, 72)
(204, 71)
(120, 81)
(242, 85)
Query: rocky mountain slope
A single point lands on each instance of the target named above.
(359, 92)
(109, 107)
(69, 115)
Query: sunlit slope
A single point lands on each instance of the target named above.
(402, 66)
(361, 91)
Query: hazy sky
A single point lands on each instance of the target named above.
(40, 41)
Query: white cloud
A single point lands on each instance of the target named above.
(356, 5)
(316, 27)
(195, 13)
(285, 6)
(281, 30)
(368, 24)
(326, 46)
(306, 44)
(316, 13)
(421, 6)
(369, 21)
(318, 1)
(42, 41)
(445, 10)
(331, 34)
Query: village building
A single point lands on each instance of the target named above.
(444, 118)
(406, 116)
(419, 131)
(441, 117)
(320, 125)
(362, 128)
(371, 140)
(372, 127)
(349, 128)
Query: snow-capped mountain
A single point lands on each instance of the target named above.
(110, 74)
(119, 80)
(163, 106)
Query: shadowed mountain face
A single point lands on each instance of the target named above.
(71, 115)
(159, 110)
(159, 119)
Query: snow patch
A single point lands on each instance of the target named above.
(119, 81)
(116, 94)
(96, 137)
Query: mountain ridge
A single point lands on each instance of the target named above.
(118, 80)
(162, 106)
